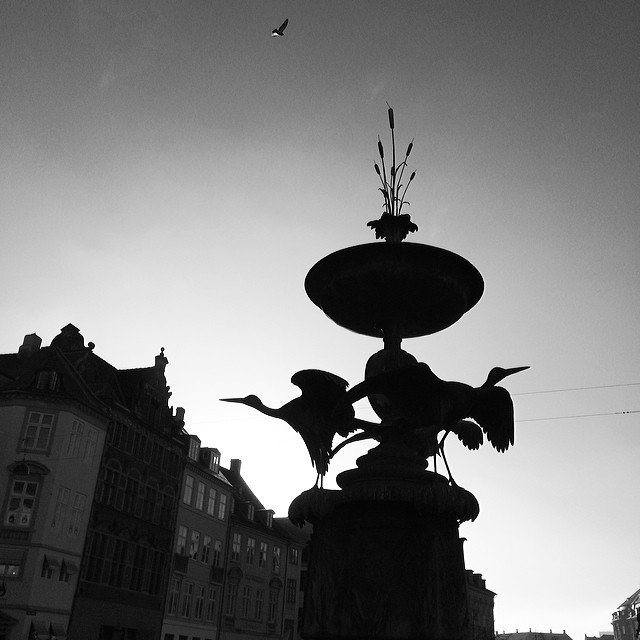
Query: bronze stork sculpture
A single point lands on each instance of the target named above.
(313, 414)
(422, 405)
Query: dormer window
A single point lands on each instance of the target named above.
(47, 381)
(210, 458)
(194, 447)
(214, 461)
(251, 511)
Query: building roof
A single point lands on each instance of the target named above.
(83, 376)
(533, 635)
(632, 601)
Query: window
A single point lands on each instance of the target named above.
(77, 514)
(37, 435)
(60, 510)
(174, 596)
(200, 496)
(257, 611)
(210, 611)
(111, 484)
(232, 596)
(214, 460)
(235, 547)
(90, 445)
(49, 565)
(222, 506)
(275, 560)
(292, 588)
(10, 562)
(138, 568)
(245, 601)
(188, 489)
(206, 549)
(273, 605)
(47, 381)
(187, 595)
(251, 511)
(217, 553)
(66, 571)
(211, 502)
(262, 558)
(199, 604)
(294, 555)
(181, 540)
(22, 502)
(195, 544)
(75, 438)
(194, 448)
(251, 550)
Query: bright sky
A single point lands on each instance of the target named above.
(169, 173)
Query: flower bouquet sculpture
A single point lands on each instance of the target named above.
(393, 226)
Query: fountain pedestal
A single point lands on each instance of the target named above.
(386, 560)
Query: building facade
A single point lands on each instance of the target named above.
(626, 617)
(262, 571)
(481, 602)
(127, 554)
(193, 606)
(53, 430)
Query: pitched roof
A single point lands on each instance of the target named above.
(533, 635)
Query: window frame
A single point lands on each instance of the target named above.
(29, 422)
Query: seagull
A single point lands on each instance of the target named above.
(280, 30)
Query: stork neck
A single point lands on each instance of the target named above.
(267, 411)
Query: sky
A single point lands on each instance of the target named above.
(169, 173)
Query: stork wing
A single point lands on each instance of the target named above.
(283, 26)
(319, 384)
(469, 433)
(494, 413)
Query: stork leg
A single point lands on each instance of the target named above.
(444, 459)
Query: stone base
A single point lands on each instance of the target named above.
(386, 559)
(382, 570)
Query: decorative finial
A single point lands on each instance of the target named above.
(393, 225)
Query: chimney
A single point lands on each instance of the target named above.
(235, 465)
(30, 345)
(180, 414)
(161, 361)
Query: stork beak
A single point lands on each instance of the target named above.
(509, 372)
(231, 399)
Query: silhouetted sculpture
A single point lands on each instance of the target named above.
(313, 414)
(422, 440)
(424, 404)
(280, 30)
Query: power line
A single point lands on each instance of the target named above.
(602, 386)
(584, 415)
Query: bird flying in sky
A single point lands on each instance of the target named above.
(280, 30)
